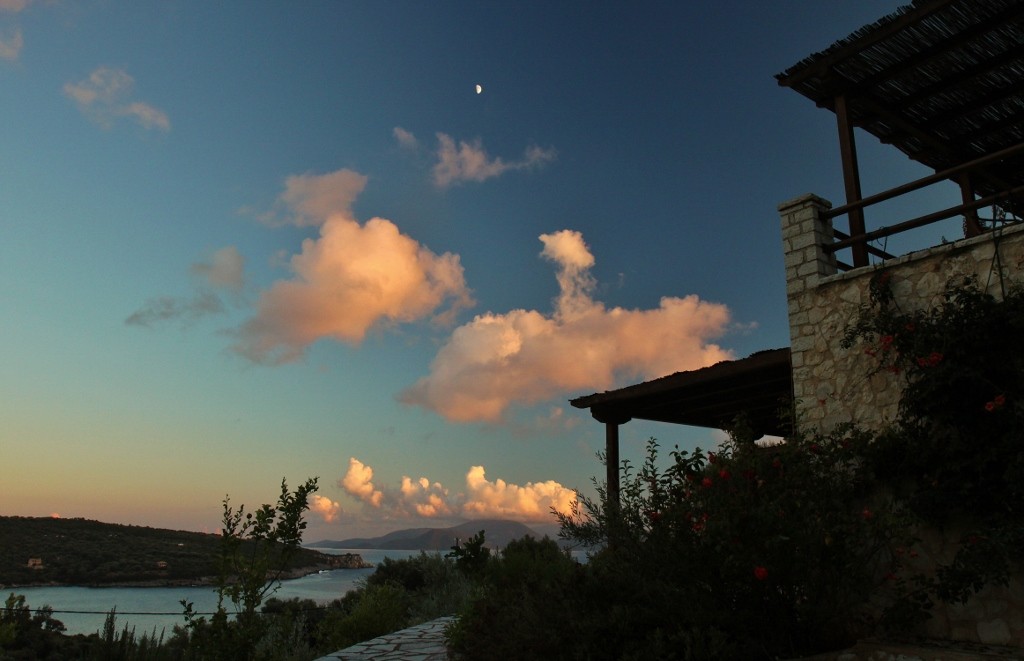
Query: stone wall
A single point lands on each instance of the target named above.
(832, 384)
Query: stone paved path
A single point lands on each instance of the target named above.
(424, 642)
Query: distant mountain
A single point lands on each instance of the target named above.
(497, 533)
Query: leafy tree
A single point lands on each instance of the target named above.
(255, 549)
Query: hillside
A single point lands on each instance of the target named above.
(498, 533)
(84, 552)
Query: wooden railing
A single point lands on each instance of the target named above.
(859, 241)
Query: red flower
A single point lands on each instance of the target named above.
(706, 482)
(934, 358)
(990, 406)
(887, 340)
(871, 352)
(724, 474)
(712, 458)
(760, 573)
(909, 327)
(867, 514)
(999, 400)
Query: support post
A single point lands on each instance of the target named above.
(851, 179)
(971, 225)
(611, 451)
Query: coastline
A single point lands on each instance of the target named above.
(346, 561)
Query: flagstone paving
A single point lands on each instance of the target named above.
(424, 642)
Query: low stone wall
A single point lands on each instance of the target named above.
(834, 385)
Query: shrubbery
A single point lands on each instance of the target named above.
(801, 547)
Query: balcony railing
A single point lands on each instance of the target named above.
(858, 239)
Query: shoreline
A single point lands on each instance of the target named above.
(198, 582)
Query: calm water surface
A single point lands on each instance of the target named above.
(321, 588)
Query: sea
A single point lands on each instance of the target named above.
(149, 610)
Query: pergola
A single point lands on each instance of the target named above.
(940, 80)
(943, 82)
(758, 388)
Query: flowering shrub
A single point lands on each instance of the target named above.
(748, 552)
(960, 434)
(956, 452)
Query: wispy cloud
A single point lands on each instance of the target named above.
(468, 161)
(352, 278)
(405, 139)
(482, 498)
(11, 45)
(14, 6)
(309, 200)
(527, 357)
(105, 97)
(225, 270)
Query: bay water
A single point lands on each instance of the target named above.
(83, 610)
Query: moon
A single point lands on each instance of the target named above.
(479, 89)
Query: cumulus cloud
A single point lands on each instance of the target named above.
(482, 498)
(405, 139)
(469, 162)
(526, 356)
(534, 501)
(11, 45)
(358, 482)
(225, 270)
(325, 508)
(105, 96)
(350, 279)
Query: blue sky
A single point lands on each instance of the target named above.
(244, 241)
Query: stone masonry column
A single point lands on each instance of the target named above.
(804, 233)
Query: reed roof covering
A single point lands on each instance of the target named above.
(941, 80)
(758, 387)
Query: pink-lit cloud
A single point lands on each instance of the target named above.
(325, 508)
(309, 200)
(358, 482)
(13, 6)
(533, 501)
(105, 97)
(11, 44)
(352, 278)
(482, 498)
(526, 356)
(469, 162)
(405, 139)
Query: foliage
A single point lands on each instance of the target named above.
(471, 556)
(958, 440)
(956, 452)
(84, 552)
(255, 549)
(530, 594)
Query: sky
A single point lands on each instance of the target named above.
(384, 243)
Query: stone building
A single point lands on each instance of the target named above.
(940, 80)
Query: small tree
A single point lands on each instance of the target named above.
(255, 549)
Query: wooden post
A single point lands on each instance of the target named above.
(611, 451)
(971, 225)
(851, 179)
